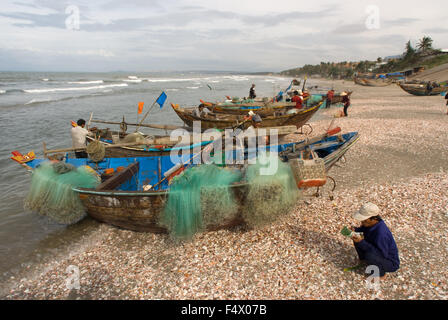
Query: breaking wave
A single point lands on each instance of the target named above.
(75, 88)
(86, 82)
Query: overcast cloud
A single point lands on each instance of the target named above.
(233, 35)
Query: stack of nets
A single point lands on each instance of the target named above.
(198, 198)
(51, 191)
(202, 197)
(272, 191)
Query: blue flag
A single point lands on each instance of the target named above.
(290, 85)
(161, 99)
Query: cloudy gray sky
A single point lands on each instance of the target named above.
(233, 35)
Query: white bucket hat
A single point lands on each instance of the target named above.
(367, 211)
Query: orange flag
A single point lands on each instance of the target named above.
(140, 107)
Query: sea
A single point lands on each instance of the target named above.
(37, 107)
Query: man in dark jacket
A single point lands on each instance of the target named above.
(376, 246)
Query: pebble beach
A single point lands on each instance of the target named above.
(399, 163)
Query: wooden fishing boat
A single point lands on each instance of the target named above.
(371, 82)
(337, 98)
(331, 148)
(359, 81)
(223, 121)
(263, 109)
(164, 145)
(161, 145)
(121, 201)
(420, 89)
(141, 210)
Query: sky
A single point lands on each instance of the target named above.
(215, 35)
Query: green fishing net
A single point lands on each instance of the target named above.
(200, 197)
(51, 191)
(272, 191)
(313, 100)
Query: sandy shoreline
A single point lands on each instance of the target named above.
(398, 163)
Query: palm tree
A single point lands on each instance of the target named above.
(425, 44)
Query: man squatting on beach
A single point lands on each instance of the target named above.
(376, 246)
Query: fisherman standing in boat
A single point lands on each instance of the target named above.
(252, 94)
(376, 246)
(79, 134)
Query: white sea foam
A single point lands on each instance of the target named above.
(86, 82)
(193, 88)
(133, 80)
(75, 89)
(38, 101)
(132, 77)
(237, 78)
(172, 90)
(45, 79)
(170, 80)
(2, 91)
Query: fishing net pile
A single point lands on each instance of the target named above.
(313, 100)
(272, 190)
(135, 137)
(198, 198)
(51, 191)
(203, 197)
(96, 151)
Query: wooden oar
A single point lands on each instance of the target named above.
(154, 126)
(145, 142)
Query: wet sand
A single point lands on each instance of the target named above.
(399, 163)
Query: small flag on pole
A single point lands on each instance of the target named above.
(161, 99)
(140, 107)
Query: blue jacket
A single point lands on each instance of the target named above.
(380, 239)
